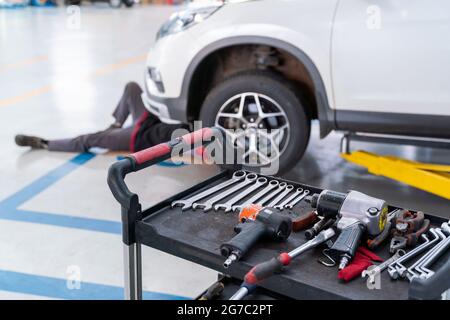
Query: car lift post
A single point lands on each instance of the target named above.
(399, 140)
(434, 178)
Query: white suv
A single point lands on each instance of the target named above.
(378, 66)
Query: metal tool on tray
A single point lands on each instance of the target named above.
(289, 199)
(266, 269)
(281, 196)
(272, 194)
(356, 214)
(187, 203)
(412, 271)
(421, 267)
(409, 226)
(228, 205)
(433, 246)
(208, 204)
(255, 223)
(382, 266)
(323, 223)
(270, 186)
(397, 268)
(299, 198)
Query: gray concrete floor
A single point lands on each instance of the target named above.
(58, 82)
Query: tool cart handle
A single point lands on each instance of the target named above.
(129, 201)
(431, 288)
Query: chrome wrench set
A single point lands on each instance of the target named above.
(434, 245)
(241, 190)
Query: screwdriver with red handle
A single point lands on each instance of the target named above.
(266, 269)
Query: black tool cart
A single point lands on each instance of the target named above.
(196, 236)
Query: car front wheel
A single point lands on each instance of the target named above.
(263, 117)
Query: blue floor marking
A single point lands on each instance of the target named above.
(67, 221)
(57, 288)
(36, 187)
(9, 206)
(54, 287)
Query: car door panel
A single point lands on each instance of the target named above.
(392, 56)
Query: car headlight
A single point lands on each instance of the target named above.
(182, 20)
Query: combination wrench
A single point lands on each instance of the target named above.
(289, 199)
(208, 204)
(187, 203)
(382, 266)
(281, 196)
(297, 200)
(272, 194)
(272, 184)
(227, 206)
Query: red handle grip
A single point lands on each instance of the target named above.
(198, 136)
(151, 153)
(164, 149)
(266, 269)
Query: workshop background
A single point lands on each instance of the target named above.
(59, 224)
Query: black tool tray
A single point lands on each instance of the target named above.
(196, 236)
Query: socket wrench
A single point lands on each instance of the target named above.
(187, 203)
(208, 204)
(427, 272)
(272, 184)
(397, 268)
(297, 200)
(437, 252)
(272, 194)
(412, 272)
(289, 199)
(227, 206)
(281, 196)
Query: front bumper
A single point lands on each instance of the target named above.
(169, 110)
(160, 107)
(167, 66)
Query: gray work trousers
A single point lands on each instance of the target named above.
(112, 139)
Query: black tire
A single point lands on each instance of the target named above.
(275, 87)
(128, 3)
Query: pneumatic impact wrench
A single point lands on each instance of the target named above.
(255, 224)
(357, 213)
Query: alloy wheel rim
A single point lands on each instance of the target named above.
(257, 125)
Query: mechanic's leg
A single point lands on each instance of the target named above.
(131, 102)
(113, 139)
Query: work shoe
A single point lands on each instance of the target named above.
(30, 141)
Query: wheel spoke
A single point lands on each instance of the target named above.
(228, 115)
(271, 115)
(241, 105)
(258, 105)
(279, 130)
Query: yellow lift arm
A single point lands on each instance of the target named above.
(434, 178)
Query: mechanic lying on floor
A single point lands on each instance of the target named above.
(146, 131)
